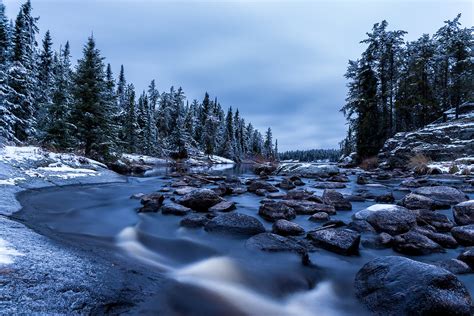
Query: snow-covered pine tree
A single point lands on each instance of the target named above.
(131, 124)
(276, 155)
(44, 88)
(122, 104)
(268, 144)
(91, 112)
(228, 144)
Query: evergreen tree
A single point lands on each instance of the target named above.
(228, 149)
(268, 144)
(131, 124)
(45, 84)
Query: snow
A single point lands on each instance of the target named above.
(221, 160)
(144, 159)
(363, 214)
(7, 253)
(11, 181)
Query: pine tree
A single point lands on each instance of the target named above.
(43, 95)
(275, 151)
(228, 145)
(268, 144)
(92, 114)
(7, 118)
(131, 124)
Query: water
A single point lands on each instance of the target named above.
(212, 274)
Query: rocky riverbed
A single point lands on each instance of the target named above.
(298, 240)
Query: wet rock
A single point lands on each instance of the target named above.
(200, 199)
(276, 195)
(414, 201)
(264, 169)
(297, 181)
(329, 185)
(385, 198)
(394, 285)
(308, 170)
(194, 221)
(463, 213)
(387, 218)
(339, 240)
(455, 266)
(362, 180)
(286, 228)
(274, 243)
(309, 207)
(415, 244)
(464, 234)
(380, 241)
(239, 190)
(175, 209)
(287, 184)
(468, 257)
(273, 211)
(383, 176)
(437, 220)
(298, 195)
(444, 240)
(320, 217)
(137, 196)
(223, 189)
(260, 192)
(184, 190)
(361, 226)
(235, 224)
(261, 185)
(224, 206)
(337, 200)
(339, 178)
(152, 202)
(443, 196)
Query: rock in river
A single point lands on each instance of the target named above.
(286, 228)
(175, 209)
(414, 201)
(152, 202)
(337, 200)
(464, 234)
(261, 185)
(387, 218)
(400, 286)
(415, 244)
(274, 243)
(235, 224)
(339, 240)
(464, 213)
(443, 196)
(200, 200)
(194, 221)
(224, 206)
(273, 211)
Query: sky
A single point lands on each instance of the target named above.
(281, 63)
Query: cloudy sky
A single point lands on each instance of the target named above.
(280, 62)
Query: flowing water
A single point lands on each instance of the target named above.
(213, 274)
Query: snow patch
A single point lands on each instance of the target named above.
(7, 253)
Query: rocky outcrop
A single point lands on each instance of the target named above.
(308, 170)
(401, 286)
(443, 196)
(463, 213)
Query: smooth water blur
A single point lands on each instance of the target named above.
(213, 274)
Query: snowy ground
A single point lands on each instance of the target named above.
(459, 166)
(36, 274)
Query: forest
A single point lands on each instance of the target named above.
(398, 86)
(45, 100)
(311, 155)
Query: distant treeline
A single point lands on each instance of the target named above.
(398, 86)
(311, 155)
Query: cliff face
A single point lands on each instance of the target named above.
(446, 139)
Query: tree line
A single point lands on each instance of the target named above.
(311, 155)
(398, 86)
(45, 100)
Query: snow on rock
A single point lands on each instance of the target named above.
(308, 169)
(200, 159)
(7, 253)
(144, 160)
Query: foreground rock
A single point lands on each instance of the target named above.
(235, 224)
(464, 234)
(339, 240)
(414, 201)
(286, 228)
(442, 196)
(463, 213)
(175, 209)
(152, 202)
(401, 286)
(274, 243)
(194, 221)
(200, 199)
(415, 244)
(386, 218)
(437, 220)
(224, 206)
(258, 185)
(337, 200)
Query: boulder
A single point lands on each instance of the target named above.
(437, 220)
(444, 240)
(224, 206)
(468, 257)
(273, 211)
(415, 244)
(414, 201)
(309, 207)
(339, 240)
(287, 184)
(380, 241)
(151, 202)
(274, 243)
(361, 226)
(329, 185)
(276, 195)
(390, 219)
(385, 198)
(261, 185)
(235, 224)
(463, 213)
(319, 217)
(200, 199)
(394, 285)
(464, 234)
(443, 196)
(339, 178)
(455, 266)
(308, 170)
(286, 228)
(337, 200)
(184, 190)
(264, 169)
(297, 181)
(175, 209)
(194, 221)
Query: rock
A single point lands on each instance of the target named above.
(224, 206)
(297, 181)
(309, 207)
(298, 195)
(362, 180)
(468, 257)
(260, 192)
(287, 184)
(463, 213)
(274, 243)
(455, 266)
(308, 170)
(385, 198)
(337, 200)
(137, 196)
(444, 240)
(223, 189)
(464, 234)
(415, 244)
(273, 211)
(390, 219)
(361, 226)
(152, 202)
(261, 185)
(239, 190)
(329, 185)
(175, 209)
(437, 220)
(194, 221)
(339, 240)
(200, 199)
(263, 169)
(319, 217)
(184, 190)
(286, 228)
(235, 224)
(414, 201)
(380, 241)
(276, 195)
(339, 178)
(443, 196)
(394, 285)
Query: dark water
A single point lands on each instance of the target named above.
(214, 274)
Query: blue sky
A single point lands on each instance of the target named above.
(280, 62)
